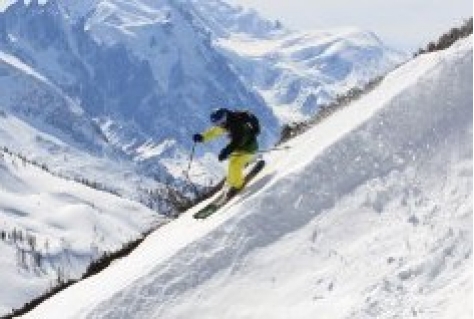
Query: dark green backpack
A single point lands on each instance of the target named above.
(251, 121)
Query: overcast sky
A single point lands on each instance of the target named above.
(403, 24)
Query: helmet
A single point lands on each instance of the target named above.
(219, 116)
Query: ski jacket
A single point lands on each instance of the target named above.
(243, 137)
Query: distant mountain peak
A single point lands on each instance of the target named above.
(225, 20)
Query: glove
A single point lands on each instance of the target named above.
(198, 138)
(224, 154)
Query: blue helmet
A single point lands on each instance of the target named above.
(219, 116)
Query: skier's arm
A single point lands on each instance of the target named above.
(212, 133)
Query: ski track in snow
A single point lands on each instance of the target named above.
(369, 215)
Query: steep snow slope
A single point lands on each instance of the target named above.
(369, 215)
(52, 228)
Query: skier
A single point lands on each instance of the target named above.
(242, 128)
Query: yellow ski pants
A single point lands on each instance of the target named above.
(237, 160)
(235, 172)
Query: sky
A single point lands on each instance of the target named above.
(404, 24)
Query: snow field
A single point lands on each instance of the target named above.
(64, 223)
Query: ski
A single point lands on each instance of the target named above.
(224, 198)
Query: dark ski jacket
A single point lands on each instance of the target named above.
(241, 132)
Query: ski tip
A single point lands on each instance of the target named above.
(206, 211)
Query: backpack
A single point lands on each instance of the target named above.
(251, 121)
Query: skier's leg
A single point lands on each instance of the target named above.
(237, 163)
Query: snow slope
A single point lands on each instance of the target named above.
(369, 215)
(53, 228)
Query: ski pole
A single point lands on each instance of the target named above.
(191, 157)
(186, 173)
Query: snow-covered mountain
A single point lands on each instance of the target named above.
(224, 20)
(114, 84)
(34, 98)
(296, 72)
(137, 79)
(367, 215)
(142, 70)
